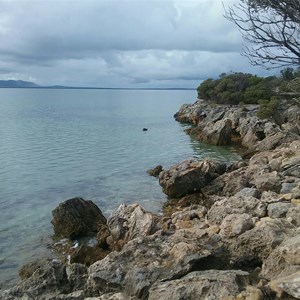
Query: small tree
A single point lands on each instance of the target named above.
(271, 30)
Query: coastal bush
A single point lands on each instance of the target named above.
(235, 88)
(267, 108)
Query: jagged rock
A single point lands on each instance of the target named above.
(237, 165)
(173, 205)
(251, 293)
(256, 244)
(228, 184)
(279, 209)
(155, 171)
(46, 282)
(216, 133)
(255, 134)
(287, 254)
(189, 113)
(289, 284)
(248, 192)
(86, 255)
(77, 276)
(211, 284)
(293, 215)
(189, 177)
(235, 205)
(144, 261)
(128, 222)
(76, 217)
(267, 181)
(236, 224)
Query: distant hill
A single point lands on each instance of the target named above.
(17, 84)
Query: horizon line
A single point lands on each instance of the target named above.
(98, 88)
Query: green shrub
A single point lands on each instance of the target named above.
(267, 108)
(235, 88)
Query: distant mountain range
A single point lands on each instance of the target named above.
(28, 84)
(17, 84)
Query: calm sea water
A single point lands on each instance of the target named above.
(58, 144)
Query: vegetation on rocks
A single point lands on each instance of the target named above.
(243, 88)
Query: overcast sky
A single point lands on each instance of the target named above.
(118, 43)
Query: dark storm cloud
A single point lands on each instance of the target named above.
(115, 41)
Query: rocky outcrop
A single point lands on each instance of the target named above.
(189, 177)
(227, 124)
(76, 217)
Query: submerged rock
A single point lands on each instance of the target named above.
(155, 171)
(76, 217)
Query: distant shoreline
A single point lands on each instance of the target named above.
(100, 88)
(20, 84)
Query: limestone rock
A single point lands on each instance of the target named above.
(287, 254)
(144, 261)
(255, 245)
(189, 177)
(236, 224)
(216, 133)
(278, 209)
(201, 285)
(129, 222)
(251, 293)
(76, 217)
(228, 184)
(289, 284)
(293, 215)
(235, 205)
(47, 282)
(267, 181)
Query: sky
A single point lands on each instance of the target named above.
(119, 43)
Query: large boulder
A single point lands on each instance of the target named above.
(76, 217)
(189, 177)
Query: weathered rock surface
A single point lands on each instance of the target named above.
(189, 177)
(129, 222)
(76, 217)
(211, 284)
(227, 124)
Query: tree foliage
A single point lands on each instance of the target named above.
(271, 30)
(236, 88)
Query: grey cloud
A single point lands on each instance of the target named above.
(78, 29)
(117, 43)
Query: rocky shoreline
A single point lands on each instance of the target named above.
(227, 231)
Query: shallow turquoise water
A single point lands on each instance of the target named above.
(58, 144)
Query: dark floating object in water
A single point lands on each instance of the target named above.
(145, 129)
